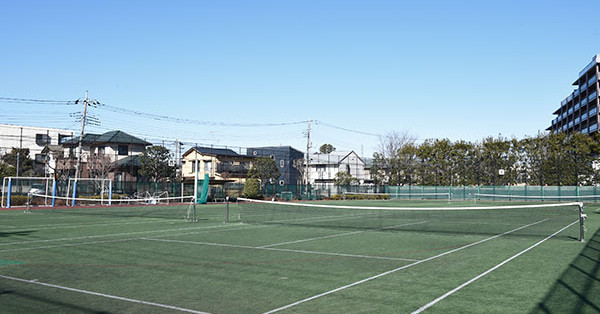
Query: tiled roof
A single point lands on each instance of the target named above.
(112, 137)
(217, 151)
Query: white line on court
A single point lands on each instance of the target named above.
(117, 240)
(113, 235)
(69, 226)
(430, 304)
(339, 235)
(283, 250)
(65, 245)
(400, 268)
(170, 307)
(7, 226)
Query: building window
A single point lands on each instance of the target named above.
(207, 166)
(123, 150)
(40, 158)
(62, 138)
(282, 163)
(42, 139)
(101, 150)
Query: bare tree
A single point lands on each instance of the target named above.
(392, 141)
(99, 166)
(386, 167)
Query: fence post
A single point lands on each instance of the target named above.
(53, 193)
(8, 193)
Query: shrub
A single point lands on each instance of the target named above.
(251, 188)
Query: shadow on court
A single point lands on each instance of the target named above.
(578, 288)
(16, 233)
(21, 302)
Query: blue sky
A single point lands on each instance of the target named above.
(437, 69)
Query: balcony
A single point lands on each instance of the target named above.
(241, 169)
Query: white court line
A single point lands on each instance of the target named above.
(117, 240)
(7, 226)
(68, 226)
(112, 235)
(65, 245)
(339, 235)
(400, 268)
(166, 230)
(170, 307)
(430, 304)
(283, 250)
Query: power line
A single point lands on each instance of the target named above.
(41, 101)
(345, 129)
(189, 121)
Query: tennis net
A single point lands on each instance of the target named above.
(536, 219)
(168, 207)
(536, 198)
(393, 196)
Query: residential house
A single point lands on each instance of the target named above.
(324, 168)
(114, 155)
(221, 164)
(287, 158)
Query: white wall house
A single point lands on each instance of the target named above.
(115, 148)
(33, 138)
(324, 167)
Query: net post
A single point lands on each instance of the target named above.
(581, 220)
(29, 194)
(194, 212)
(227, 209)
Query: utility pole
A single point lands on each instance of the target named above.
(78, 165)
(19, 151)
(307, 170)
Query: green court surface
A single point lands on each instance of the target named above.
(279, 258)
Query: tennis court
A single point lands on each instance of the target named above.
(393, 256)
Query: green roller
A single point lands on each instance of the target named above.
(204, 192)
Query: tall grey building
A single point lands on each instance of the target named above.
(579, 111)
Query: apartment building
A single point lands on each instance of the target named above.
(35, 139)
(578, 112)
(287, 158)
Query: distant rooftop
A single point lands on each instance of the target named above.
(595, 60)
(112, 137)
